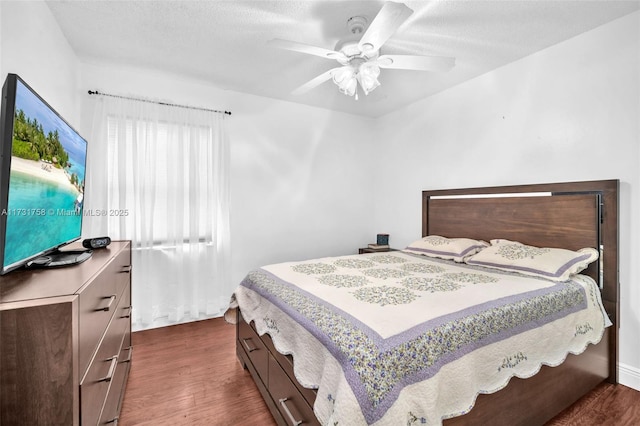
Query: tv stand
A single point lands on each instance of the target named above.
(59, 258)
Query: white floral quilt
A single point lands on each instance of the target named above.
(395, 338)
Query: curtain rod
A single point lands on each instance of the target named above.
(95, 92)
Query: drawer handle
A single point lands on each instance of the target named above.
(129, 308)
(283, 403)
(126, 269)
(130, 348)
(111, 298)
(112, 369)
(246, 345)
(113, 420)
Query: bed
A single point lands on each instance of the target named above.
(322, 371)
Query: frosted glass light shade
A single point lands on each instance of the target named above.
(368, 76)
(345, 78)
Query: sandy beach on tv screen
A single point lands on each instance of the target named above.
(41, 170)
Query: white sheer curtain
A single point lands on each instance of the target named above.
(159, 176)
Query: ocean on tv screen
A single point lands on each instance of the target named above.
(41, 214)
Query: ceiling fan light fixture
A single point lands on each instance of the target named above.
(368, 76)
(345, 79)
(348, 77)
(343, 74)
(348, 87)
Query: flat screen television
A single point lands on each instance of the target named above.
(42, 174)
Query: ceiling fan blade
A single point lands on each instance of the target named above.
(305, 48)
(419, 63)
(325, 76)
(386, 22)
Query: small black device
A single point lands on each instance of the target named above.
(96, 243)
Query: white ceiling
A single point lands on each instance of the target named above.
(224, 42)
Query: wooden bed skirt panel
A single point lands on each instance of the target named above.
(275, 379)
(566, 383)
(262, 388)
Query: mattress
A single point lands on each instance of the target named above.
(397, 338)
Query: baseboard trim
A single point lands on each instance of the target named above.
(629, 376)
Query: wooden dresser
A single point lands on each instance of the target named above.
(65, 341)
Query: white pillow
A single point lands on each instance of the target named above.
(456, 249)
(551, 263)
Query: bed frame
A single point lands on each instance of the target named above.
(567, 215)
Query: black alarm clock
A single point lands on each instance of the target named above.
(96, 243)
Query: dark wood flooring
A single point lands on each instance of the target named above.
(188, 374)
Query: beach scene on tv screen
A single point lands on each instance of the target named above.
(46, 185)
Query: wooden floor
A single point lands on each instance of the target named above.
(188, 374)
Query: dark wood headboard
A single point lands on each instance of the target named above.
(569, 215)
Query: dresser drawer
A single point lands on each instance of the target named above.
(116, 391)
(123, 270)
(255, 349)
(285, 394)
(97, 302)
(103, 370)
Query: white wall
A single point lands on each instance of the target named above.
(33, 46)
(568, 113)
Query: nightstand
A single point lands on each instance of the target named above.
(362, 250)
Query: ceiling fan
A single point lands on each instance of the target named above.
(359, 53)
